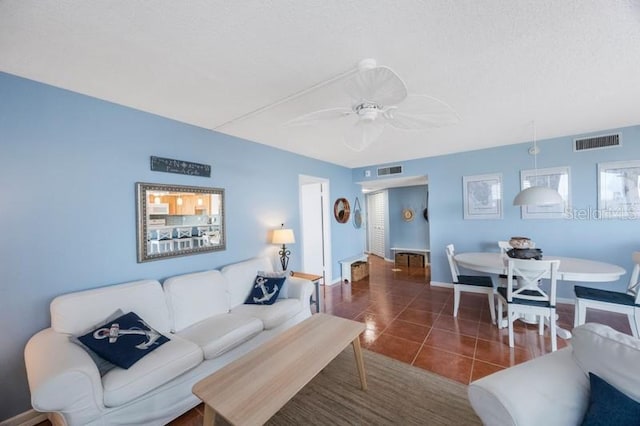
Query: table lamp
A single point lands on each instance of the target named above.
(283, 236)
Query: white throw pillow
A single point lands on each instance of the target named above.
(611, 355)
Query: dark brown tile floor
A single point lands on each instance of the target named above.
(409, 320)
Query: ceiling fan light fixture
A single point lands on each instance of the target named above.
(380, 98)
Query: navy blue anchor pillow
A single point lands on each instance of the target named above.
(265, 290)
(124, 340)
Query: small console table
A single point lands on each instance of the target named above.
(315, 279)
(345, 266)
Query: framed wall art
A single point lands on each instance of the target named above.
(482, 196)
(619, 190)
(558, 178)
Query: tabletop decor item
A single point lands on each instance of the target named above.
(525, 253)
(521, 243)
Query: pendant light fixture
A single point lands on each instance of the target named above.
(537, 195)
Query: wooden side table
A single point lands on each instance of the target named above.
(315, 279)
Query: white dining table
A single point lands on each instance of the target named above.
(570, 269)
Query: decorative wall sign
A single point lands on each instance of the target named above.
(169, 165)
(482, 196)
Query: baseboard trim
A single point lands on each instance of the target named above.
(28, 418)
(439, 284)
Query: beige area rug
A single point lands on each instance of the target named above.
(398, 394)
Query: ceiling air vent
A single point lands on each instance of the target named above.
(597, 142)
(392, 170)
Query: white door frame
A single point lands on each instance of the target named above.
(326, 223)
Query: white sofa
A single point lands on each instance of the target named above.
(202, 314)
(554, 389)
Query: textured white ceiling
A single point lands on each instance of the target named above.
(573, 66)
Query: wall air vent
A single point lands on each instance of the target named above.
(391, 170)
(596, 142)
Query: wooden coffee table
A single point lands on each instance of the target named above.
(253, 388)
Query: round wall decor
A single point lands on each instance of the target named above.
(357, 214)
(407, 215)
(341, 210)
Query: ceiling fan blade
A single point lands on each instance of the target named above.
(380, 85)
(419, 112)
(362, 134)
(319, 116)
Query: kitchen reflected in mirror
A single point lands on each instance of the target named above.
(177, 220)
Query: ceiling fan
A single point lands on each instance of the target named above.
(379, 98)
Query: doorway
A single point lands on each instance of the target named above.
(377, 217)
(315, 226)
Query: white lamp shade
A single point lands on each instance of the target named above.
(283, 236)
(537, 196)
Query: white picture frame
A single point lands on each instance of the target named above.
(558, 178)
(619, 190)
(482, 196)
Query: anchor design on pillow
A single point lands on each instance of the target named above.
(260, 281)
(114, 332)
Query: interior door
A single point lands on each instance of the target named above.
(376, 213)
(314, 223)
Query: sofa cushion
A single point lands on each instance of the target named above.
(609, 406)
(221, 333)
(103, 365)
(160, 366)
(271, 315)
(74, 313)
(194, 297)
(609, 354)
(240, 277)
(124, 340)
(265, 290)
(284, 289)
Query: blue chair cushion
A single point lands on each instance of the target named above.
(265, 290)
(604, 295)
(541, 303)
(609, 406)
(479, 280)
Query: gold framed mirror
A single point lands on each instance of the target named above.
(341, 210)
(177, 220)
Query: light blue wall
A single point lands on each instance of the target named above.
(605, 240)
(68, 169)
(413, 234)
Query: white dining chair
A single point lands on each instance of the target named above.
(524, 296)
(183, 238)
(624, 303)
(201, 238)
(161, 240)
(470, 284)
